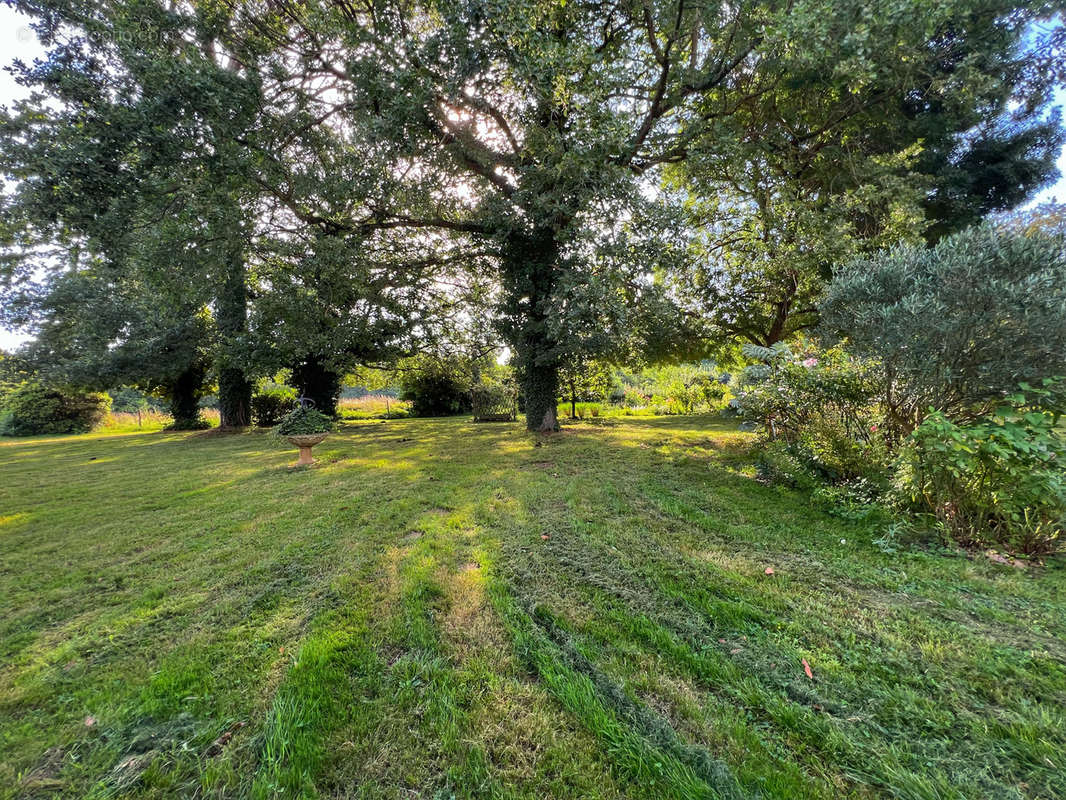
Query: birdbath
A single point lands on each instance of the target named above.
(304, 427)
(305, 442)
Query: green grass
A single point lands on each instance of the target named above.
(189, 616)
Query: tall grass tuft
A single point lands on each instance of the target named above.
(133, 422)
(373, 406)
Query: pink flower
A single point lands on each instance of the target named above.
(810, 362)
(873, 429)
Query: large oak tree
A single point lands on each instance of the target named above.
(537, 128)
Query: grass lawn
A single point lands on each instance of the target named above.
(440, 609)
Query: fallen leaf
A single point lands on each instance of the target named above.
(807, 669)
(216, 746)
(735, 650)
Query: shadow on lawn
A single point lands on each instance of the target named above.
(449, 607)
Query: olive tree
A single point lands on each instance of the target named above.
(956, 327)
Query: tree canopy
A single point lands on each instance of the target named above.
(602, 179)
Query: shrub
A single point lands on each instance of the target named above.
(434, 393)
(634, 398)
(34, 409)
(302, 421)
(197, 423)
(271, 403)
(957, 327)
(1000, 480)
(687, 394)
(820, 407)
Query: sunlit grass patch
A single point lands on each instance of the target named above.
(440, 608)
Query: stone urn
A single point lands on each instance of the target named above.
(305, 441)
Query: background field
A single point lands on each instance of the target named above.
(442, 609)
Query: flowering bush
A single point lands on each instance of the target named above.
(819, 407)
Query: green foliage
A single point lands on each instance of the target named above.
(271, 402)
(583, 379)
(584, 410)
(824, 166)
(956, 327)
(185, 396)
(14, 372)
(819, 417)
(33, 409)
(128, 174)
(197, 423)
(687, 394)
(434, 391)
(999, 480)
(819, 405)
(992, 171)
(304, 420)
(505, 150)
(318, 382)
(672, 388)
(129, 400)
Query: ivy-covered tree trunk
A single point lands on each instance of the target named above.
(183, 397)
(315, 381)
(529, 272)
(234, 388)
(542, 392)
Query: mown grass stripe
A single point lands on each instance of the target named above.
(660, 773)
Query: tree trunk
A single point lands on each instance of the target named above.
(234, 388)
(234, 398)
(183, 397)
(542, 392)
(318, 383)
(529, 274)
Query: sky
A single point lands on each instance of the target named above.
(17, 40)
